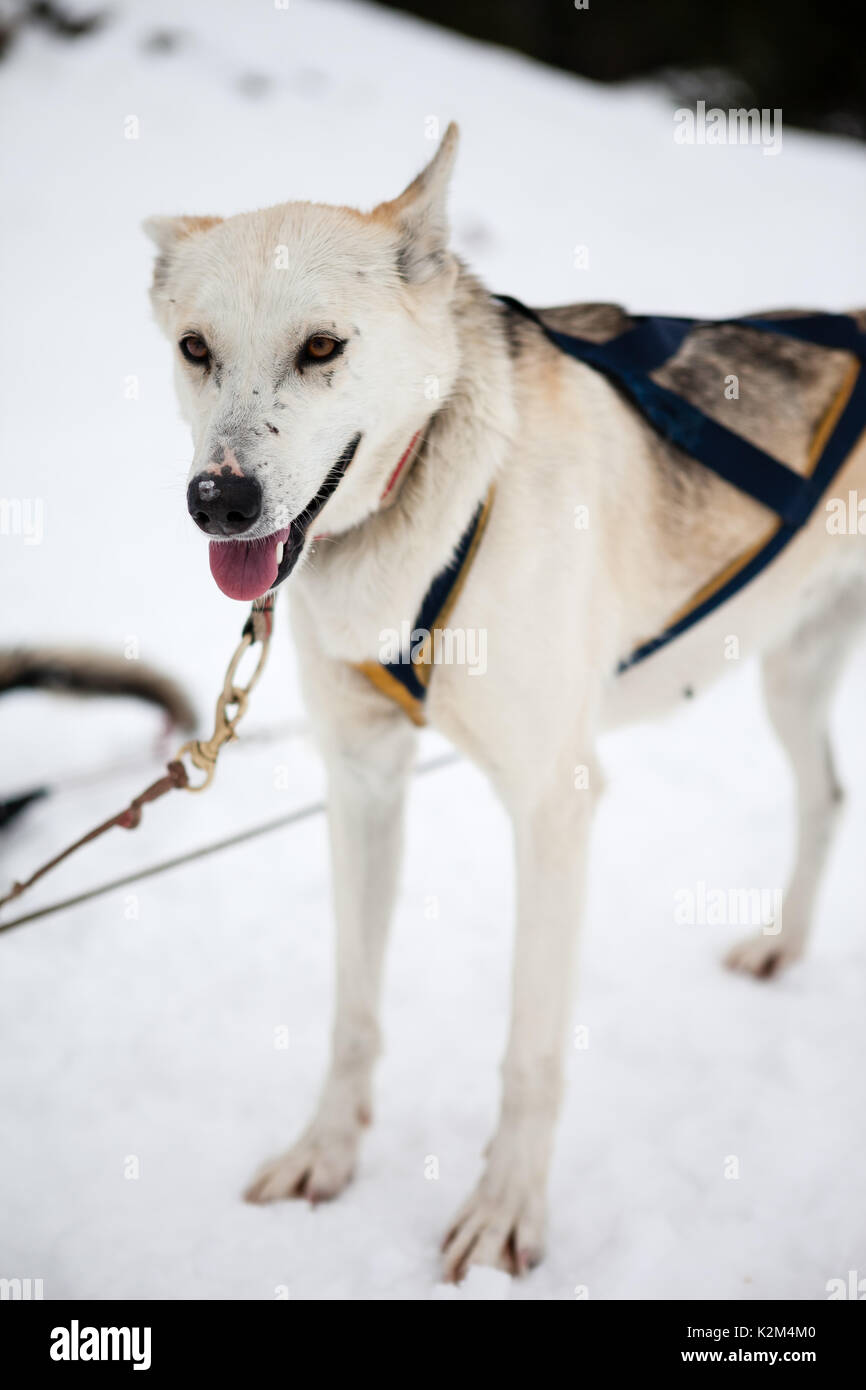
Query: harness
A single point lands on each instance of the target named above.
(627, 361)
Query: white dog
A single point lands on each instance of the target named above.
(345, 377)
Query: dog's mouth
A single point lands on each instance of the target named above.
(248, 569)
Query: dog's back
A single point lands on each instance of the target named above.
(773, 390)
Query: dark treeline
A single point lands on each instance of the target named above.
(798, 55)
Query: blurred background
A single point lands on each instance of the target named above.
(765, 53)
(182, 1022)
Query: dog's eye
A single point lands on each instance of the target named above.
(320, 346)
(195, 349)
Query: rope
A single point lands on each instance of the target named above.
(231, 706)
(107, 772)
(315, 808)
(174, 779)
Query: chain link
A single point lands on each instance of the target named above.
(203, 753)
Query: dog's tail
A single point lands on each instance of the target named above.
(79, 671)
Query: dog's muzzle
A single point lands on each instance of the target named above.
(248, 569)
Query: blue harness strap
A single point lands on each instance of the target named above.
(628, 359)
(405, 679)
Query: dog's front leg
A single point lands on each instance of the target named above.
(368, 761)
(503, 1222)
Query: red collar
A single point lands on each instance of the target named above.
(392, 481)
(388, 496)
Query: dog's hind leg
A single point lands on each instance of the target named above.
(502, 1223)
(368, 761)
(799, 679)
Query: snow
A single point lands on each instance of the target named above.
(144, 1027)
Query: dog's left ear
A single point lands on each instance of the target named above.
(420, 214)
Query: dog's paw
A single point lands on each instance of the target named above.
(501, 1225)
(317, 1167)
(762, 956)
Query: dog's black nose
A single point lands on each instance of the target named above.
(224, 504)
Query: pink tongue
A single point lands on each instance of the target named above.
(246, 569)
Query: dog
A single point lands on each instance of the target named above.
(354, 394)
(82, 671)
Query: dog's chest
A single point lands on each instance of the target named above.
(358, 601)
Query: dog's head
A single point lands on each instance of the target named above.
(309, 341)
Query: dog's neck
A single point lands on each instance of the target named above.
(376, 575)
(404, 465)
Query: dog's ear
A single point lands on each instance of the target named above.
(420, 214)
(166, 232)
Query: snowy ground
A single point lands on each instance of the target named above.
(144, 1025)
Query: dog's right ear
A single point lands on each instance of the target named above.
(167, 232)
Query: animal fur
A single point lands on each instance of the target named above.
(427, 349)
(76, 671)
